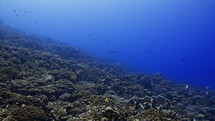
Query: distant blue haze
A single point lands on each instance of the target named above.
(173, 37)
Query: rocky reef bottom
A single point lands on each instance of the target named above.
(44, 82)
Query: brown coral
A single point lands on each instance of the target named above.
(157, 115)
(28, 113)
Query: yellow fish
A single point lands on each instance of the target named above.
(106, 99)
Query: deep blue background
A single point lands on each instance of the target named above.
(173, 37)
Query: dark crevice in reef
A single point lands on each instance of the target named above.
(41, 80)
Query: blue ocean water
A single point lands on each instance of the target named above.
(172, 37)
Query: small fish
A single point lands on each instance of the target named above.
(186, 86)
(14, 11)
(183, 60)
(106, 99)
(26, 12)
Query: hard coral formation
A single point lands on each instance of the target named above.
(28, 113)
(8, 73)
(157, 115)
(42, 81)
(100, 109)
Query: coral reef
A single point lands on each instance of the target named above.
(40, 81)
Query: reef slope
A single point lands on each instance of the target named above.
(42, 80)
